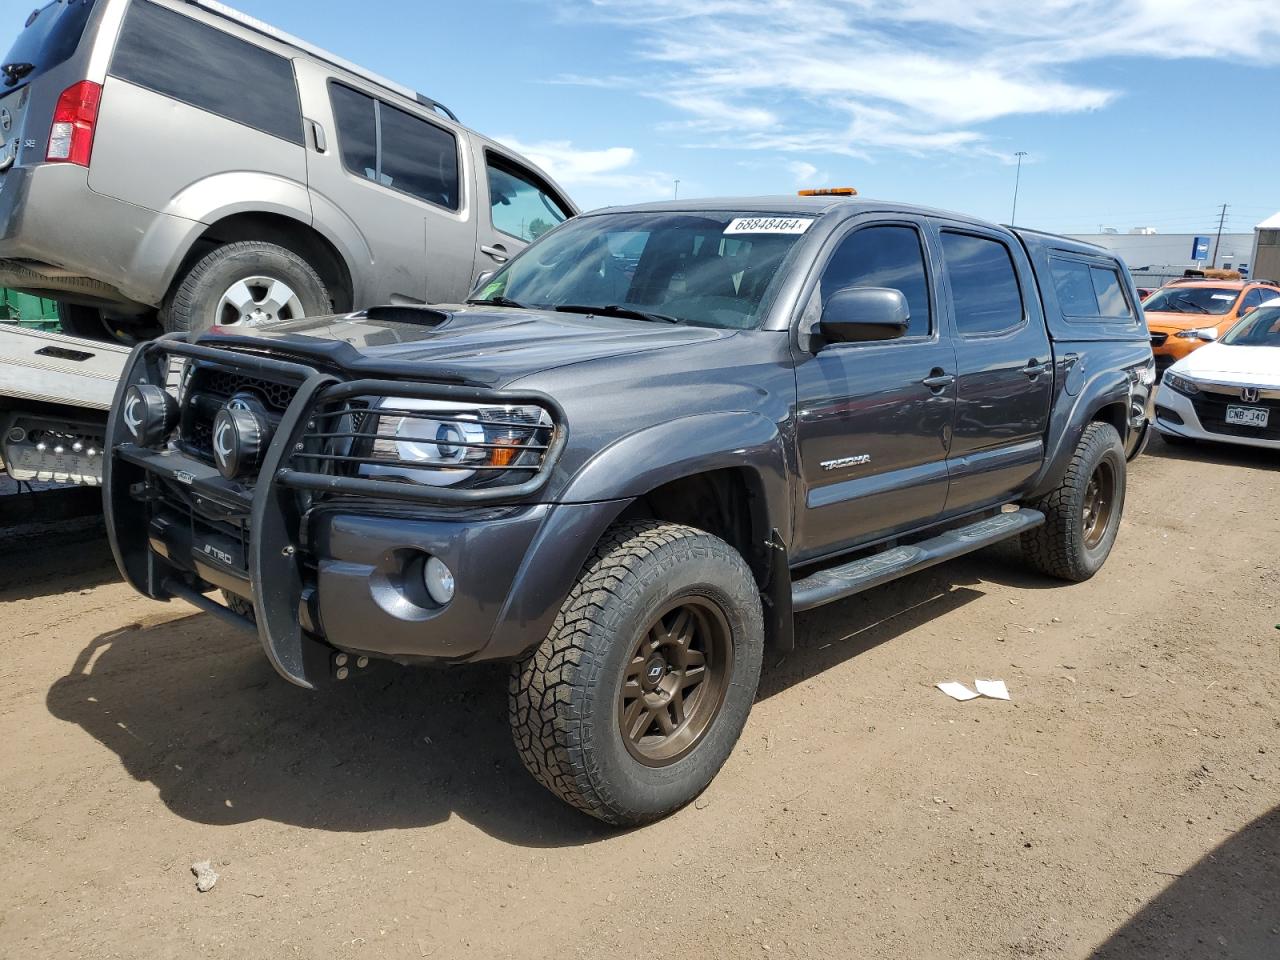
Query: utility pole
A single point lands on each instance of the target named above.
(675, 194)
(1013, 220)
(1222, 219)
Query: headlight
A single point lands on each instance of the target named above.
(443, 444)
(1203, 333)
(1181, 384)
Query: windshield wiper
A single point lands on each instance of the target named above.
(1192, 303)
(614, 310)
(499, 302)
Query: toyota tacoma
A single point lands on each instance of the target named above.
(624, 465)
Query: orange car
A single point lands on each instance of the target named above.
(1187, 314)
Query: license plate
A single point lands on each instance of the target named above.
(1248, 416)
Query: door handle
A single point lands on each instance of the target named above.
(318, 138)
(1034, 368)
(497, 251)
(938, 380)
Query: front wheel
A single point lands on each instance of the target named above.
(635, 699)
(1082, 515)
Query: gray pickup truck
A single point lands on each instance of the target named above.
(644, 445)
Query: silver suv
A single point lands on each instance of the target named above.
(179, 164)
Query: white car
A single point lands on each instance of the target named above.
(1228, 391)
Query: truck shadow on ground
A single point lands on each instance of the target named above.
(192, 706)
(1227, 905)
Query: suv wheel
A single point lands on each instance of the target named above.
(1083, 513)
(76, 320)
(634, 701)
(245, 284)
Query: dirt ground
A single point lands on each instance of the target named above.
(1126, 804)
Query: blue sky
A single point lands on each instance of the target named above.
(1132, 112)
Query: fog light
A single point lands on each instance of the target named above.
(439, 580)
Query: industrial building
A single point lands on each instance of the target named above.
(1154, 257)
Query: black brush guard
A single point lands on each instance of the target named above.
(274, 507)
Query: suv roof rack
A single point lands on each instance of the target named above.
(258, 26)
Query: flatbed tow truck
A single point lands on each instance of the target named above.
(55, 392)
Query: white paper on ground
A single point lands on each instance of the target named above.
(957, 691)
(995, 689)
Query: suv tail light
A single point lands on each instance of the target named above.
(71, 140)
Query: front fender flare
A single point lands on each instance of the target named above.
(629, 468)
(639, 462)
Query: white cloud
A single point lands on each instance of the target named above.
(611, 167)
(805, 173)
(855, 77)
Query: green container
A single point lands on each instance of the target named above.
(28, 311)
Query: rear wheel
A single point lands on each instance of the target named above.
(1082, 516)
(634, 701)
(81, 321)
(246, 284)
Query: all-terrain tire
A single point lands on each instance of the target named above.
(1061, 547)
(194, 305)
(564, 697)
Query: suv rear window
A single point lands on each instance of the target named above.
(179, 57)
(395, 149)
(50, 36)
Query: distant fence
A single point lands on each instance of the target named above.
(1144, 279)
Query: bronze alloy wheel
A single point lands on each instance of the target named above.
(1099, 504)
(675, 681)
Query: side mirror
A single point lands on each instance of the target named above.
(865, 314)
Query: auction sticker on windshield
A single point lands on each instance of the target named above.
(768, 225)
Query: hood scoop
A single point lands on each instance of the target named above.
(408, 313)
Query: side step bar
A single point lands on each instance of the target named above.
(836, 583)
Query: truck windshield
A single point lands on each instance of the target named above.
(51, 35)
(1260, 329)
(1175, 299)
(705, 269)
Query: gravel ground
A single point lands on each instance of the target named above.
(1125, 804)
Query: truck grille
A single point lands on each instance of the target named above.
(209, 389)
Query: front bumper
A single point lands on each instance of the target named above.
(1176, 415)
(334, 573)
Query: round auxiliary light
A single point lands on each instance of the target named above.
(439, 580)
(149, 414)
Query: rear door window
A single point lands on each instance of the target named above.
(51, 34)
(179, 57)
(395, 149)
(521, 205)
(985, 292)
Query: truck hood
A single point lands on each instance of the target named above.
(482, 347)
(1246, 366)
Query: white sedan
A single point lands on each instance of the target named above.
(1228, 391)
